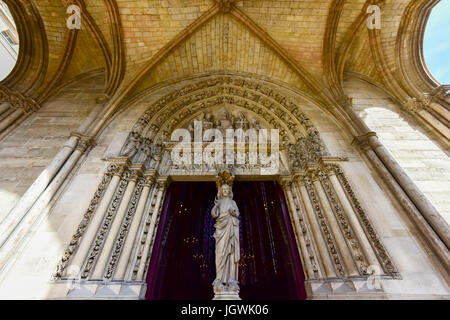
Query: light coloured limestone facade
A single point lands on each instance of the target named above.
(86, 117)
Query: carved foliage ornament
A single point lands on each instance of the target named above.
(18, 101)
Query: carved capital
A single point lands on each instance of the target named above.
(119, 169)
(363, 140)
(134, 175)
(84, 142)
(162, 183)
(149, 181)
(4, 94)
(415, 105)
(19, 102)
(285, 182)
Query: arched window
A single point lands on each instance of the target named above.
(9, 41)
(436, 47)
(421, 158)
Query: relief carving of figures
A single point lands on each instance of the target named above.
(155, 156)
(132, 145)
(145, 151)
(241, 122)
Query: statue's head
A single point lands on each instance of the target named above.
(225, 192)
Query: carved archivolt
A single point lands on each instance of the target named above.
(255, 105)
(335, 236)
(114, 241)
(136, 194)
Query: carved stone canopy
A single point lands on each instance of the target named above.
(224, 177)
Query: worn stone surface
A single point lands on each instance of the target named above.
(133, 52)
(421, 157)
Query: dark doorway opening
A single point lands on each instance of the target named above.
(182, 266)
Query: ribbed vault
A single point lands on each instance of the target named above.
(308, 44)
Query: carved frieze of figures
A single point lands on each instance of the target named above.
(132, 145)
(223, 120)
(219, 98)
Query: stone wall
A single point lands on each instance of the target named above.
(421, 157)
(29, 148)
(30, 276)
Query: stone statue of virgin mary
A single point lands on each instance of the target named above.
(226, 215)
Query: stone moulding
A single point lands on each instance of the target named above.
(18, 101)
(75, 241)
(380, 250)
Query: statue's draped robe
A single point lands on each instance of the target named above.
(227, 243)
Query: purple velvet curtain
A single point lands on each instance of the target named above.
(182, 264)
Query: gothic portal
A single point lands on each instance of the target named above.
(113, 136)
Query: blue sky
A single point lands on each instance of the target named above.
(436, 44)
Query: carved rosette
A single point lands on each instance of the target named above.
(225, 5)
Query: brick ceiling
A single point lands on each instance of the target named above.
(142, 42)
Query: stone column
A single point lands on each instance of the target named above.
(102, 260)
(142, 236)
(97, 218)
(4, 107)
(424, 110)
(20, 228)
(152, 230)
(415, 194)
(35, 191)
(354, 222)
(10, 119)
(431, 215)
(133, 237)
(311, 252)
(431, 239)
(20, 106)
(325, 258)
(440, 127)
(342, 247)
(299, 234)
